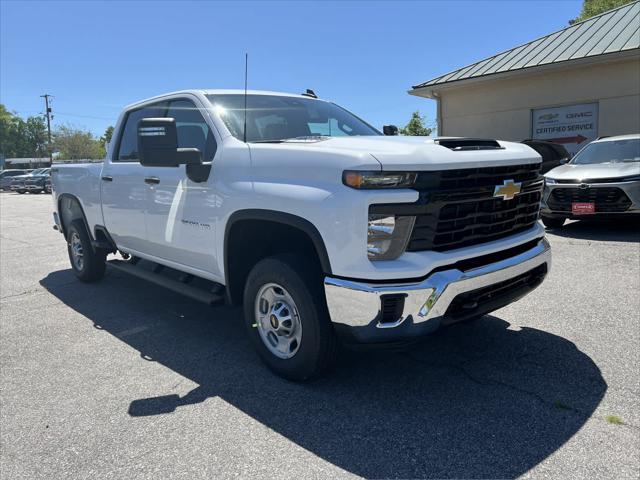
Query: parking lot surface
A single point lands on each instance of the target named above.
(123, 379)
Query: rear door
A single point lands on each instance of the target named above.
(124, 191)
(181, 213)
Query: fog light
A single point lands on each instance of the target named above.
(388, 235)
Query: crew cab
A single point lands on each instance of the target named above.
(326, 231)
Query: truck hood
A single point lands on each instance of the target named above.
(410, 153)
(594, 171)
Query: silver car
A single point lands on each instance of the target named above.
(602, 180)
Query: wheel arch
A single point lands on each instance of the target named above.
(70, 209)
(300, 234)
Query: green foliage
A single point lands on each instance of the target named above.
(106, 137)
(614, 419)
(74, 144)
(591, 8)
(416, 126)
(22, 138)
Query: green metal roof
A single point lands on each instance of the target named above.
(614, 31)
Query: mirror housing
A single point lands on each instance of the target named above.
(390, 130)
(158, 145)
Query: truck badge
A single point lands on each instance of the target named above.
(508, 190)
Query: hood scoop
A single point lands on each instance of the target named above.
(464, 144)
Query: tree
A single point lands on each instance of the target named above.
(591, 8)
(75, 144)
(20, 138)
(416, 126)
(106, 137)
(37, 138)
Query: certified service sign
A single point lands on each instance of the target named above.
(572, 125)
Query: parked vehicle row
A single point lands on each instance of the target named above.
(23, 181)
(7, 176)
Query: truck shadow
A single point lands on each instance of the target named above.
(476, 400)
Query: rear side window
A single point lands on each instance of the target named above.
(128, 148)
(193, 131)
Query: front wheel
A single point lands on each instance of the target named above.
(88, 264)
(287, 317)
(552, 222)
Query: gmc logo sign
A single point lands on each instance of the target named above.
(579, 114)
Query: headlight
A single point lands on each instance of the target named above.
(388, 235)
(549, 181)
(372, 180)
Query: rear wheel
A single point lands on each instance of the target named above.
(287, 318)
(552, 222)
(88, 264)
(21, 191)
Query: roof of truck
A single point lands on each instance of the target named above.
(217, 92)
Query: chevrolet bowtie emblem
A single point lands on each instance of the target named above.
(508, 190)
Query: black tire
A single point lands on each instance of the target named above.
(21, 191)
(93, 264)
(318, 348)
(552, 222)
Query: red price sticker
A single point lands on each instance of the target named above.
(586, 208)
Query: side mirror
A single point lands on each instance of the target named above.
(390, 130)
(158, 145)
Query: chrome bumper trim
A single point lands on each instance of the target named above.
(358, 304)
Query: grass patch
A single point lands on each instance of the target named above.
(613, 419)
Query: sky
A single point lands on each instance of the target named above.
(96, 57)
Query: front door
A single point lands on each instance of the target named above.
(124, 191)
(180, 213)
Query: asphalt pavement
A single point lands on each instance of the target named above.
(123, 379)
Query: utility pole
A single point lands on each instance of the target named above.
(48, 115)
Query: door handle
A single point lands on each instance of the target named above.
(107, 178)
(152, 180)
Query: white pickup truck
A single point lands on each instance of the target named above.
(325, 230)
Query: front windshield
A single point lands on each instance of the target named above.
(627, 150)
(274, 118)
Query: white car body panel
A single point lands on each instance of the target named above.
(182, 224)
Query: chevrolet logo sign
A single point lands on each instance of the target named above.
(508, 190)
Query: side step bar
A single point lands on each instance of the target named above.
(167, 282)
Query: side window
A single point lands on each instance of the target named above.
(128, 148)
(193, 131)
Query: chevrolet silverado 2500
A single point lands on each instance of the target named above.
(325, 230)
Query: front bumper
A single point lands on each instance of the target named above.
(357, 309)
(630, 189)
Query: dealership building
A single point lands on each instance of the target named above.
(569, 87)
